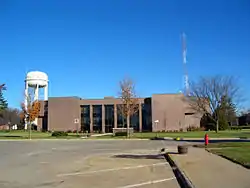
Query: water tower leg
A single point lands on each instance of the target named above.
(46, 93)
(36, 92)
(26, 104)
(35, 99)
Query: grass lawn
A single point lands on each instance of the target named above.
(21, 134)
(236, 152)
(225, 145)
(197, 134)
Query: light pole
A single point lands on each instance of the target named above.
(156, 126)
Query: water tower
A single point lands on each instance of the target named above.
(35, 80)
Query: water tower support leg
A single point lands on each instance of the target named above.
(46, 93)
(26, 104)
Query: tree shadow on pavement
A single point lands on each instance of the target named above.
(138, 156)
(172, 153)
(157, 138)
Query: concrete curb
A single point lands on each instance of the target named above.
(93, 138)
(182, 179)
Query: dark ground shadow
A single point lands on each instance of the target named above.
(138, 156)
(157, 138)
(182, 181)
(10, 136)
(173, 153)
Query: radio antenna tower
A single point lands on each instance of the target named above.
(184, 55)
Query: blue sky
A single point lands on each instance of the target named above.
(86, 47)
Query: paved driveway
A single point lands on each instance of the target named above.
(84, 163)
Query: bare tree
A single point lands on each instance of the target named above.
(10, 116)
(213, 96)
(129, 99)
(30, 111)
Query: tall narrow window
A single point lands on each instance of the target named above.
(147, 115)
(109, 118)
(85, 118)
(121, 120)
(97, 118)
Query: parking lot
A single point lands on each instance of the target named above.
(85, 163)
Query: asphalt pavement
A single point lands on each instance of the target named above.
(85, 163)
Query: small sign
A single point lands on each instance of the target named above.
(76, 120)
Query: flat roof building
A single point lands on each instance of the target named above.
(102, 115)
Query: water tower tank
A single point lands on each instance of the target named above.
(35, 78)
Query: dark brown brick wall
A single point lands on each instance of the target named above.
(61, 113)
(169, 109)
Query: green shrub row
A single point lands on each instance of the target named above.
(59, 133)
(193, 128)
(170, 131)
(121, 134)
(75, 131)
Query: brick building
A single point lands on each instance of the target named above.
(101, 115)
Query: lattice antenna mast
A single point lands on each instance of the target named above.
(184, 54)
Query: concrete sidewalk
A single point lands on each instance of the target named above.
(207, 170)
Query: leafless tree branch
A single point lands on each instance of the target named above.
(209, 93)
(129, 99)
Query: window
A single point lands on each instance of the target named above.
(147, 115)
(97, 118)
(121, 120)
(85, 118)
(109, 118)
(134, 121)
